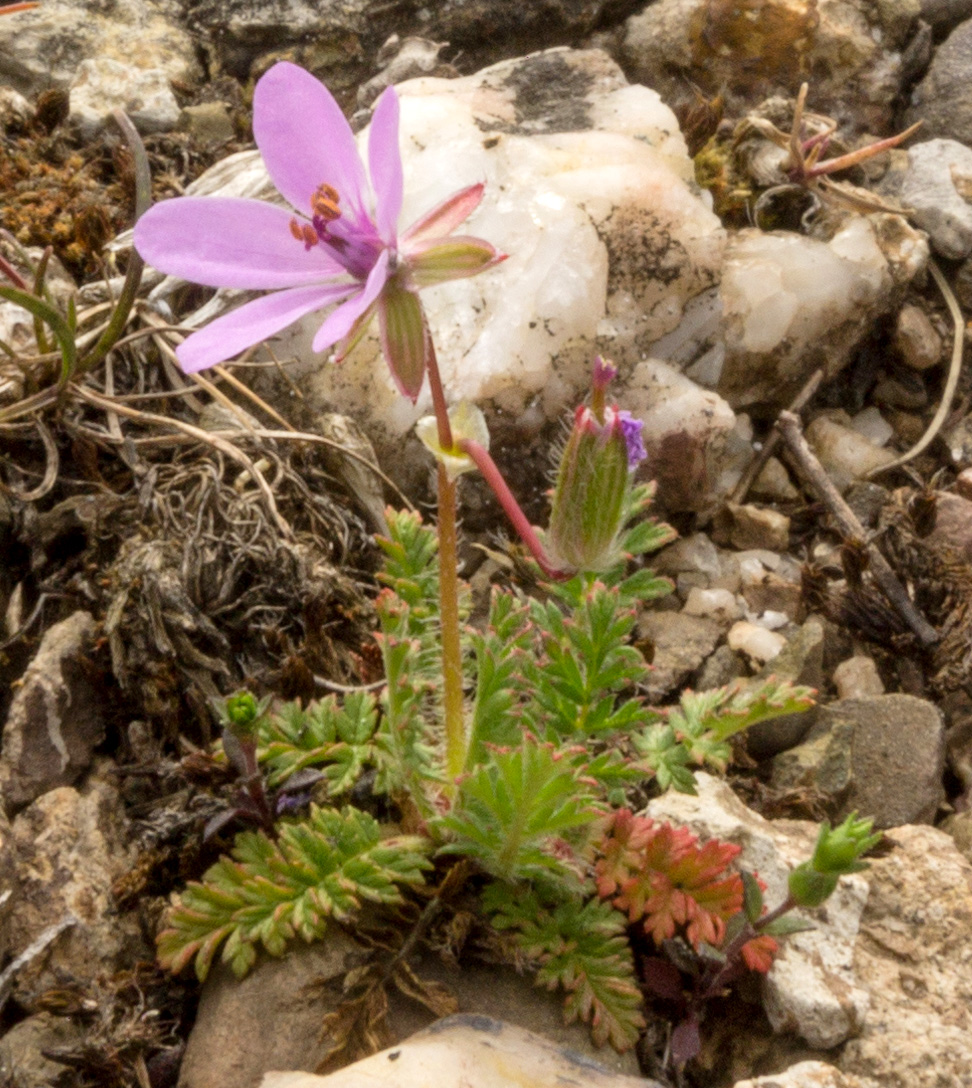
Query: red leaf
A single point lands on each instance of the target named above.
(758, 953)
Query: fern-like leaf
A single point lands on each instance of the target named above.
(335, 737)
(268, 892)
(580, 947)
(526, 815)
(659, 876)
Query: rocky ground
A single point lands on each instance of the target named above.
(164, 541)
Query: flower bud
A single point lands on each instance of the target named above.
(593, 480)
(836, 853)
(838, 849)
(808, 888)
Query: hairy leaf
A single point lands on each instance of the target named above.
(268, 892)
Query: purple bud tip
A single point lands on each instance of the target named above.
(631, 429)
(604, 373)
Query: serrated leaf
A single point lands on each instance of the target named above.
(326, 865)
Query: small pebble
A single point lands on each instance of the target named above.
(758, 527)
(857, 677)
(755, 641)
(720, 604)
(963, 483)
(917, 339)
(873, 426)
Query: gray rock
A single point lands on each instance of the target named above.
(229, 1043)
(681, 643)
(55, 720)
(943, 99)
(72, 847)
(102, 85)
(209, 122)
(854, 49)
(858, 677)
(936, 187)
(882, 756)
(809, 1074)
(44, 47)
(916, 338)
(800, 661)
(943, 15)
(22, 1061)
(339, 42)
(749, 526)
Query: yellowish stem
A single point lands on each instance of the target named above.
(452, 708)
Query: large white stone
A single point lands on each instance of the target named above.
(793, 303)
(607, 241)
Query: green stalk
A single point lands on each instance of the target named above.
(133, 275)
(452, 704)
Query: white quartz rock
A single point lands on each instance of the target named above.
(607, 242)
(792, 304)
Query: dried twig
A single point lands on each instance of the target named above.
(800, 401)
(820, 483)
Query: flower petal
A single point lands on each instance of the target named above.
(229, 242)
(404, 337)
(255, 321)
(305, 140)
(442, 259)
(445, 217)
(385, 164)
(341, 321)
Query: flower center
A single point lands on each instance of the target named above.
(325, 204)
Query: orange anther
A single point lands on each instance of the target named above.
(325, 202)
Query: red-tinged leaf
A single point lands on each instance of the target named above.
(686, 1042)
(662, 979)
(758, 954)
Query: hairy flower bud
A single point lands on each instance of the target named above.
(836, 853)
(593, 480)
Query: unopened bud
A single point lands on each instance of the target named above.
(593, 481)
(836, 854)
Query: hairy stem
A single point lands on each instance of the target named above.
(455, 738)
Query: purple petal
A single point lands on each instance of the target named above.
(631, 429)
(305, 140)
(404, 337)
(255, 321)
(341, 321)
(229, 242)
(445, 217)
(385, 164)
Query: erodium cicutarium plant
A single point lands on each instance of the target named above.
(509, 752)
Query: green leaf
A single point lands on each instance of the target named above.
(752, 896)
(324, 866)
(526, 815)
(785, 925)
(580, 947)
(45, 312)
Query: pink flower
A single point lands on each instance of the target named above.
(342, 247)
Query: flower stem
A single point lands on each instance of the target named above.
(455, 738)
(493, 476)
(438, 396)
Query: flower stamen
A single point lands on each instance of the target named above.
(325, 201)
(304, 232)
